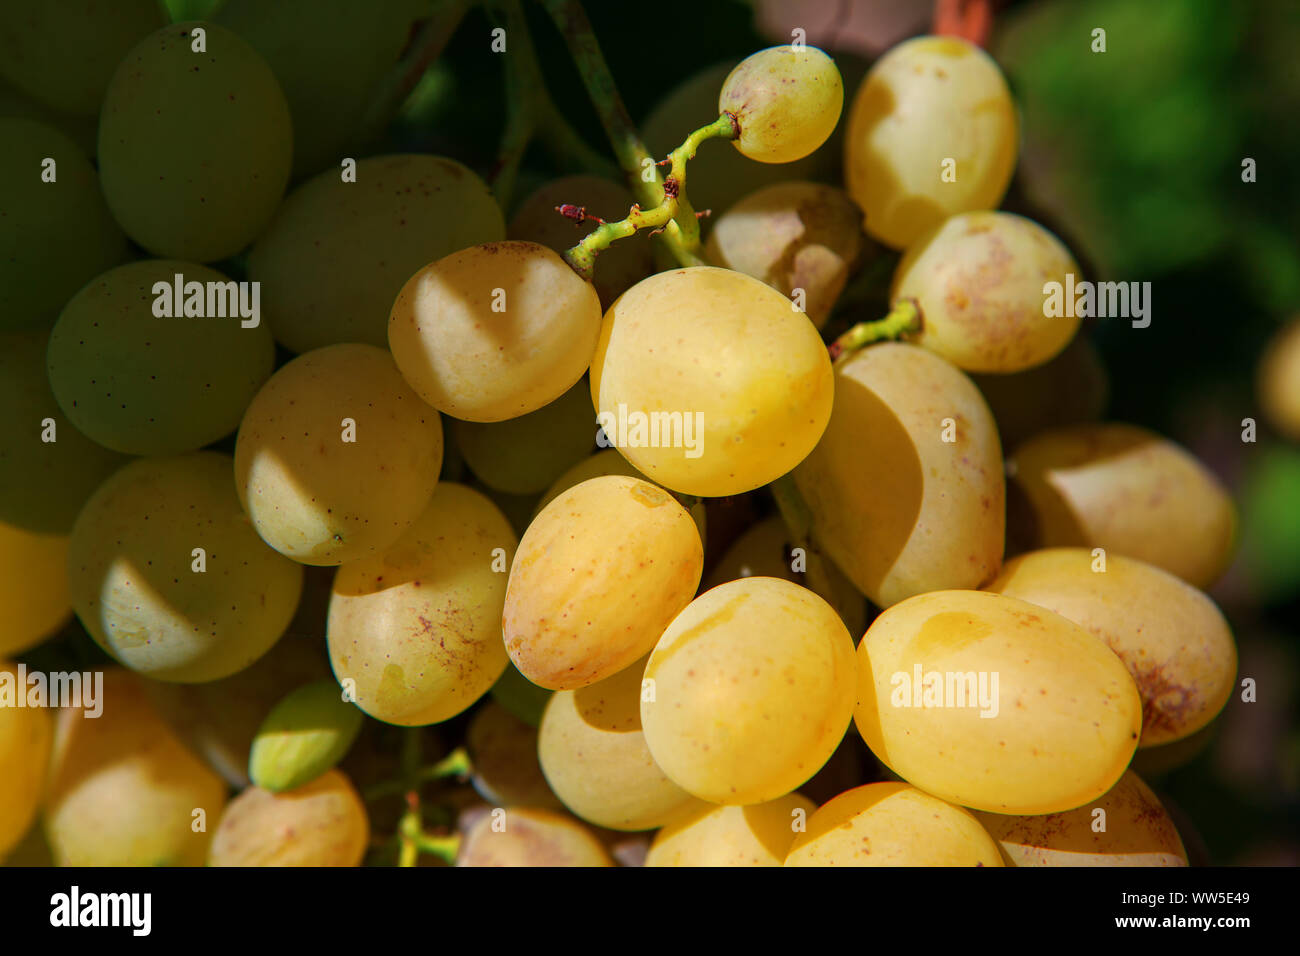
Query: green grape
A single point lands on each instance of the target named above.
(414, 630)
(1138, 832)
(609, 536)
(744, 373)
(337, 253)
(786, 101)
(194, 147)
(524, 455)
(63, 52)
(1171, 637)
(595, 757)
(169, 578)
(304, 735)
(1278, 380)
(792, 236)
(906, 487)
(181, 10)
(323, 823)
(330, 57)
(58, 235)
(503, 753)
(35, 596)
(994, 703)
(25, 734)
(978, 279)
(618, 268)
(336, 456)
(752, 691)
(932, 132)
(526, 837)
(145, 384)
(43, 484)
(520, 696)
(123, 790)
(1127, 490)
(757, 835)
(494, 331)
(892, 824)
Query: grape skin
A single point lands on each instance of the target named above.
(756, 835)
(785, 100)
(25, 735)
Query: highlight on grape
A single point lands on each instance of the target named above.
(658, 429)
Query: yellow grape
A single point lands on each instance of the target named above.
(978, 279)
(609, 536)
(618, 268)
(994, 703)
(729, 357)
(896, 504)
(35, 596)
(1130, 491)
(323, 823)
(415, 628)
(786, 101)
(494, 331)
(795, 235)
(752, 690)
(1170, 636)
(324, 491)
(1135, 831)
(756, 835)
(503, 752)
(151, 601)
(927, 101)
(337, 253)
(1278, 380)
(25, 734)
(595, 757)
(123, 790)
(892, 824)
(194, 147)
(526, 837)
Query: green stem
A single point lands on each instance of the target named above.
(443, 847)
(455, 764)
(904, 317)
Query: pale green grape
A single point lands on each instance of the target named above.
(494, 331)
(323, 823)
(145, 384)
(194, 148)
(796, 235)
(523, 836)
(757, 835)
(63, 52)
(503, 752)
(415, 629)
(979, 280)
(337, 253)
(607, 536)
(330, 57)
(524, 455)
(25, 734)
(304, 735)
(123, 790)
(752, 690)
(149, 600)
(58, 235)
(719, 352)
(786, 101)
(932, 132)
(336, 456)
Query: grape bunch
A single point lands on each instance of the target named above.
(385, 519)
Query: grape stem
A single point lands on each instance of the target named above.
(903, 318)
(798, 520)
(582, 257)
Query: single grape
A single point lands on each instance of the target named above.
(414, 630)
(756, 835)
(494, 331)
(526, 837)
(123, 790)
(304, 735)
(323, 823)
(605, 537)
(737, 380)
(503, 753)
(932, 132)
(792, 236)
(25, 735)
(336, 456)
(786, 101)
(58, 234)
(994, 703)
(194, 147)
(906, 487)
(751, 689)
(145, 384)
(337, 253)
(1278, 380)
(892, 824)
